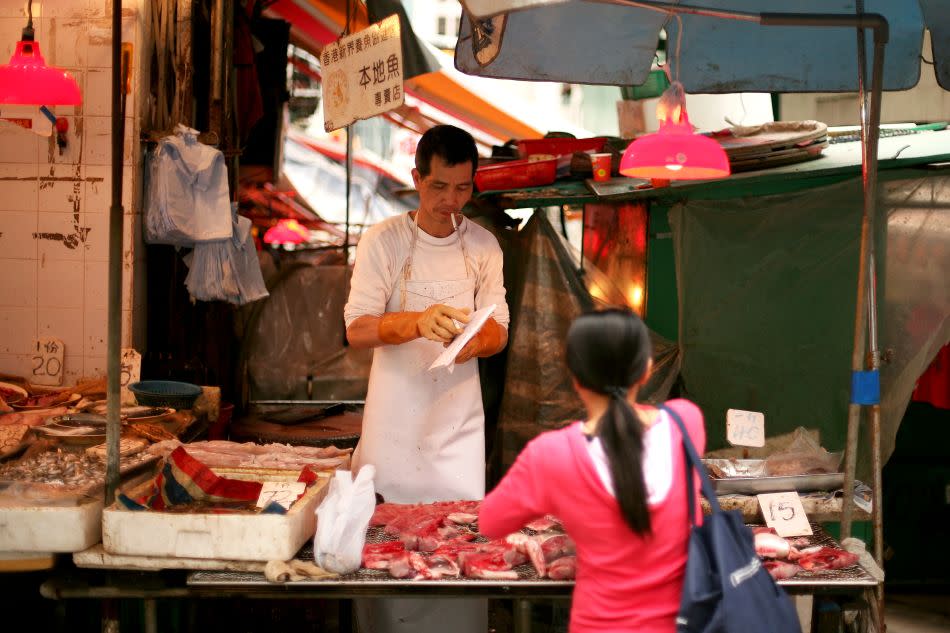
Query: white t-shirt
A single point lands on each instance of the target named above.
(383, 249)
(657, 460)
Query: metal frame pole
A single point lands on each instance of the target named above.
(116, 218)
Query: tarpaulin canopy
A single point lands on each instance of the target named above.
(614, 43)
(315, 23)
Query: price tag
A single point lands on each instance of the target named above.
(46, 362)
(130, 370)
(282, 492)
(783, 512)
(745, 428)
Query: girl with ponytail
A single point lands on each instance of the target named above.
(617, 482)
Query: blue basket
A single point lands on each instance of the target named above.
(165, 393)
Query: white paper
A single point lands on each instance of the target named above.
(282, 492)
(447, 358)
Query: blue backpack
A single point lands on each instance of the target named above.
(726, 589)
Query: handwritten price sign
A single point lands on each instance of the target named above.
(745, 428)
(281, 492)
(46, 362)
(130, 369)
(784, 513)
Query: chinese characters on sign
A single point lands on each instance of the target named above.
(745, 428)
(129, 371)
(362, 74)
(46, 362)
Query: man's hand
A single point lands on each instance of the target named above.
(489, 340)
(436, 323)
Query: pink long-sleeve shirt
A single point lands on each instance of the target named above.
(625, 582)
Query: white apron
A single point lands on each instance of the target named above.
(424, 433)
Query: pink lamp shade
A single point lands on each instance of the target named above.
(286, 232)
(28, 80)
(674, 152)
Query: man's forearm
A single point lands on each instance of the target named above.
(363, 333)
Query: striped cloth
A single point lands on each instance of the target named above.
(183, 479)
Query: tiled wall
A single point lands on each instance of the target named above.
(54, 207)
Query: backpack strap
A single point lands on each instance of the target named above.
(693, 464)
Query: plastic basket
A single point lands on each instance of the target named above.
(516, 174)
(165, 393)
(560, 146)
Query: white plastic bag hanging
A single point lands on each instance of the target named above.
(342, 520)
(188, 200)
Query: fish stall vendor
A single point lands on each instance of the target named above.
(415, 276)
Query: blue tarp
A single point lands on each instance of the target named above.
(597, 43)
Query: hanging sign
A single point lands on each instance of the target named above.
(130, 369)
(745, 428)
(783, 511)
(46, 362)
(362, 74)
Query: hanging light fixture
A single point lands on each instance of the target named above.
(27, 80)
(674, 152)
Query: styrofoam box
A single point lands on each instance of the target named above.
(50, 528)
(257, 537)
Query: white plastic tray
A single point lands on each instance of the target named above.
(259, 537)
(50, 529)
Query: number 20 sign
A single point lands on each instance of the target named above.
(46, 361)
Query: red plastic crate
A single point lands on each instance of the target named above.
(516, 174)
(560, 146)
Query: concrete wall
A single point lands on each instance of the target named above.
(54, 207)
(927, 101)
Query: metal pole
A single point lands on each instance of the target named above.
(522, 615)
(349, 160)
(116, 213)
(349, 179)
(857, 352)
(877, 510)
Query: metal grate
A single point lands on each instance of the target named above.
(856, 136)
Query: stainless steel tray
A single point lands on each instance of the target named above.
(747, 477)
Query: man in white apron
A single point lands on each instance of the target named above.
(415, 275)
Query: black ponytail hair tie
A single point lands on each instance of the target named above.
(616, 392)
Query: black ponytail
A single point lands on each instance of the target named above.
(608, 352)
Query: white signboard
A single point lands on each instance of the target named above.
(745, 428)
(362, 74)
(46, 362)
(130, 369)
(784, 513)
(281, 492)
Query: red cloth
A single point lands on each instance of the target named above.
(625, 582)
(933, 386)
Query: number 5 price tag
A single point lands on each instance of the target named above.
(745, 428)
(784, 513)
(282, 492)
(46, 362)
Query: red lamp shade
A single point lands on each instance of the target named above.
(286, 232)
(28, 80)
(674, 152)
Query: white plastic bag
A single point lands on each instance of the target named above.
(342, 520)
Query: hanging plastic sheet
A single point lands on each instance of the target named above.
(299, 333)
(187, 192)
(766, 299)
(226, 270)
(546, 297)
